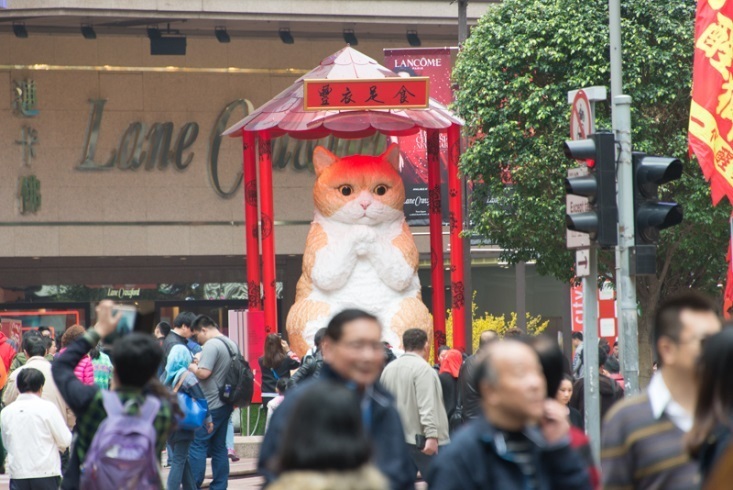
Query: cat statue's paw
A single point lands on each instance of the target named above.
(364, 238)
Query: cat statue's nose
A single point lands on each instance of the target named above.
(365, 204)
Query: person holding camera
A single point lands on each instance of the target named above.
(138, 399)
(277, 363)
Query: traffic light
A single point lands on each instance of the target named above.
(651, 215)
(599, 186)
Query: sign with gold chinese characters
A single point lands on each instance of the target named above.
(711, 114)
(30, 194)
(382, 93)
(24, 98)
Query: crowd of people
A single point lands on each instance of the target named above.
(511, 416)
(358, 414)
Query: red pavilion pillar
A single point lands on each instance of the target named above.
(268, 233)
(458, 306)
(251, 221)
(436, 237)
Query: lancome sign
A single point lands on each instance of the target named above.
(161, 145)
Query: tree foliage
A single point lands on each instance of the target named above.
(513, 76)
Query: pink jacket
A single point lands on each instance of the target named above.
(84, 370)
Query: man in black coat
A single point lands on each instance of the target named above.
(353, 355)
(180, 333)
(608, 389)
(470, 398)
(520, 441)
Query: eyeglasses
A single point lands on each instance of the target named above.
(360, 346)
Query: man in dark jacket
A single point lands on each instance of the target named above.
(522, 438)
(353, 355)
(608, 388)
(180, 333)
(312, 362)
(470, 398)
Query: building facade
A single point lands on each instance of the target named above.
(116, 182)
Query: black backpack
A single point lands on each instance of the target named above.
(239, 381)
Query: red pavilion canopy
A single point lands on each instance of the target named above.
(286, 114)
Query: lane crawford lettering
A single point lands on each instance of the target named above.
(159, 147)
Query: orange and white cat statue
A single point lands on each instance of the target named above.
(359, 252)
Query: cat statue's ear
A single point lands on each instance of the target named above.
(322, 159)
(392, 155)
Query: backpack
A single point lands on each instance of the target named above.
(123, 452)
(239, 380)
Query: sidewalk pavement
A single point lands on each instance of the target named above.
(245, 467)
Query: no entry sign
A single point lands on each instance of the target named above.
(581, 117)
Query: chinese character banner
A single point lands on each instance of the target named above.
(711, 114)
(388, 93)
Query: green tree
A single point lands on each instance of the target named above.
(513, 76)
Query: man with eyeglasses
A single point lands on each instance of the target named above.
(643, 443)
(353, 354)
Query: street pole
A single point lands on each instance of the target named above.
(590, 355)
(628, 337)
(462, 21)
(520, 271)
(467, 282)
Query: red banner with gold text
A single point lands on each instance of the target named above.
(711, 114)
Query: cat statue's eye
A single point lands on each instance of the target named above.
(380, 190)
(346, 190)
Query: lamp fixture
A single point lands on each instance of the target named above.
(285, 36)
(19, 30)
(221, 34)
(413, 39)
(172, 44)
(350, 37)
(88, 31)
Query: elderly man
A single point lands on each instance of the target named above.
(522, 438)
(353, 355)
(34, 348)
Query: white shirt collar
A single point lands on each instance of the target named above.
(662, 402)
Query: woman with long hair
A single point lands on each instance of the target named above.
(564, 393)
(551, 360)
(181, 380)
(277, 363)
(325, 446)
(710, 435)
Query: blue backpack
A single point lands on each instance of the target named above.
(123, 451)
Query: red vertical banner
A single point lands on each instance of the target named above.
(711, 112)
(268, 233)
(436, 238)
(455, 219)
(607, 312)
(728, 294)
(576, 307)
(437, 64)
(251, 221)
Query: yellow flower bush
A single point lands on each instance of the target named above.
(498, 323)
